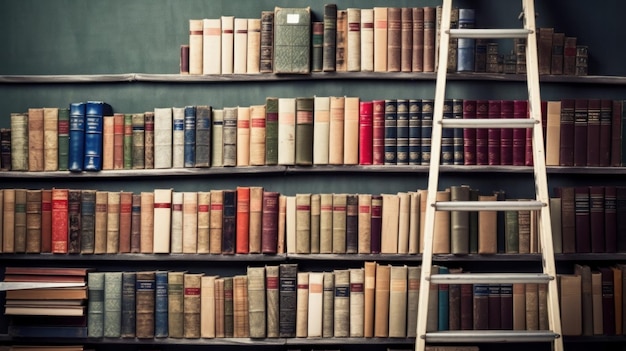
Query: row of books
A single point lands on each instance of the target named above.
(335, 130)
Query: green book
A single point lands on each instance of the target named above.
(292, 40)
(20, 221)
(271, 131)
(112, 304)
(63, 130)
(95, 305)
(128, 141)
(511, 232)
(175, 304)
(304, 131)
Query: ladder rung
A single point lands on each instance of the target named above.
(470, 336)
(489, 33)
(490, 278)
(488, 123)
(489, 205)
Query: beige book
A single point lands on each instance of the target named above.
(571, 302)
(303, 223)
(596, 298)
(367, 40)
(414, 222)
(365, 223)
(228, 43)
(257, 135)
(240, 46)
(147, 222)
(316, 203)
(404, 222)
(253, 51)
(353, 40)
(35, 139)
(487, 228)
(328, 308)
(195, 46)
(302, 305)
(326, 223)
(108, 141)
(100, 235)
(8, 220)
(381, 311)
(397, 301)
(204, 217)
(176, 236)
(532, 307)
(341, 321)
(211, 43)
(290, 224)
(217, 140)
(51, 139)
(162, 220)
(339, 223)
(286, 131)
(256, 216)
(369, 294)
(190, 222)
(192, 285)
(390, 222)
(113, 222)
(243, 136)
(272, 292)
(441, 238)
(256, 306)
(241, 317)
(519, 306)
(175, 303)
(413, 289)
(162, 137)
(219, 308)
(207, 302)
(380, 39)
(215, 221)
(282, 219)
(336, 130)
(351, 131)
(321, 125)
(315, 304)
(423, 193)
(357, 302)
(553, 133)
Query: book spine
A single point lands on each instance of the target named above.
(74, 217)
(466, 46)
(253, 46)
(51, 138)
(149, 139)
(391, 132)
(33, 221)
(329, 38)
(63, 131)
(113, 222)
(20, 222)
(138, 148)
(341, 320)
(228, 308)
(217, 130)
(190, 222)
(378, 132)
(189, 137)
(229, 224)
(242, 226)
(35, 139)
(352, 223)
(317, 46)
(192, 283)
(60, 225)
(402, 132)
(95, 305)
(175, 308)
(112, 304)
(269, 234)
(160, 305)
(415, 131)
(135, 227)
(207, 303)
(125, 221)
(366, 114)
(272, 290)
(287, 298)
(108, 142)
(303, 223)
(447, 136)
(257, 135)
(128, 141)
(46, 219)
(145, 303)
(94, 114)
(256, 299)
(302, 304)
(162, 138)
(271, 131)
(127, 329)
(292, 40)
(178, 137)
(286, 131)
(356, 307)
(427, 128)
(204, 217)
(304, 131)
(77, 137)
(229, 137)
(267, 40)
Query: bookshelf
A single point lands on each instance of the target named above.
(28, 78)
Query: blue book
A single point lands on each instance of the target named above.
(443, 298)
(457, 112)
(190, 137)
(402, 132)
(203, 136)
(128, 304)
(466, 46)
(391, 132)
(161, 305)
(34, 331)
(94, 115)
(447, 135)
(76, 150)
(427, 129)
(415, 131)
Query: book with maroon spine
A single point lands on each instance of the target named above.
(566, 155)
(126, 201)
(520, 110)
(610, 219)
(620, 208)
(608, 301)
(581, 124)
(494, 135)
(616, 133)
(229, 221)
(242, 230)
(376, 220)
(604, 149)
(352, 223)
(506, 134)
(506, 306)
(60, 225)
(596, 219)
(365, 132)
(593, 132)
(135, 227)
(568, 218)
(469, 134)
(378, 132)
(581, 205)
(494, 303)
(482, 134)
(269, 233)
(46, 221)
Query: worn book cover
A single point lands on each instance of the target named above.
(292, 38)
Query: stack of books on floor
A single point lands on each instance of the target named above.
(46, 301)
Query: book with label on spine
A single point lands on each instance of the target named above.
(394, 39)
(189, 137)
(95, 305)
(243, 136)
(340, 41)
(94, 114)
(192, 283)
(341, 320)
(118, 141)
(36, 139)
(317, 46)
(242, 227)
(161, 304)
(303, 223)
(229, 223)
(87, 221)
(175, 283)
(269, 231)
(74, 217)
(108, 142)
(378, 132)
(228, 43)
(229, 137)
(215, 221)
(190, 222)
(100, 223)
(178, 137)
(127, 327)
(266, 42)
(203, 136)
(271, 131)
(195, 46)
(253, 44)
(287, 298)
(352, 223)
(176, 234)
(19, 241)
(351, 131)
(257, 135)
(211, 46)
(292, 40)
(357, 302)
(316, 205)
(366, 115)
(380, 39)
(256, 299)
(149, 139)
(329, 54)
(51, 138)
(217, 143)
(46, 219)
(112, 304)
(240, 45)
(77, 137)
(113, 222)
(303, 131)
(336, 130)
(162, 137)
(415, 131)
(204, 220)
(144, 312)
(60, 225)
(302, 304)
(228, 308)
(135, 230)
(272, 300)
(63, 130)
(125, 221)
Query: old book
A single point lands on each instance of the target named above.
(608, 301)
(391, 132)
(519, 306)
(162, 217)
(128, 323)
(287, 299)
(357, 302)
(353, 40)
(50, 138)
(443, 301)
(207, 302)
(544, 49)
(8, 221)
(73, 217)
(481, 306)
(317, 46)
(266, 42)
(532, 306)
(581, 126)
(147, 222)
(20, 222)
(94, 114)
(352, 223)
(135, 218)
(219, 308)
(286, 131)
(321, 120)
(36, 139)
(326, 223)
(376, 226)
(339, 223)
(290, 226)
(19, 142)
(118, 141)
(256, 299)
(46, 219)
(269, 231)
(566, 155)
(568, 218)
(240, 45)
(494, 305)
(113, 222)
(351, 131)
(242, 238)
(60, 223)
(390, 218)
(195, 46)
(257, 135)
(593, 132)
(211, 45)
(569, 55)
(175, 292)
(596, 218)
(587, 297)
(394, 39)
(192, 283)
(87, 221)
(367, 40)
(487, 221)
(126, 198)
(341, 321)
(341, 33)
(315, 304)
(189, 136)
(228, 308)
(459, 222)
(398, 301)
(380, 39)
(413, 286)
(366, 129)
(303, 223)
(329, 52)
(302, 304)
(227, 44)
(336, 130)
(178, 137)
(203, 136)
(112, 304)
(241, 322)
(243, 136)
(381, 319)
(5, 149)
(215, 221)
(176, 231)
(511, 231)
(163, 123)
(328, 297)
(582, 219)
(570, 296)
(271, 131)
(378, 132)
(63, 130)
(253, 50)
(441, 240)
(606, 126)
(229, 221)
(292, 40)
(204, 215)
(406, 39)
(364, 206)
(404, 221)
(190, 222)
(553, 133)
(303, 131)
(33, 221)
(144, 312)
(610, 217)
(95, 305)
(272, 300)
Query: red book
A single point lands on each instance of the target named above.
(616, 133)
(467, 303)
(243, 220)
(520, 110)
(376, 223)
(482, 134)
(46, 221)
(60, 228)
(594, 110)
(126, 204)
(596, 218)
(606, 118)
(269, 233)
(620, 209)
(608, 301)
(528, 159)
(610, 219)
(378, 132)
(580, 131)
(365, 132)
(469, 134)
(494, 134)
(566, 156)
(495, 307)
(581, 205)
(568, 218)
(118, 141)
(506, 134)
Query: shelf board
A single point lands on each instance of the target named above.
(131, 257)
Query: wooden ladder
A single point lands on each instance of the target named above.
(540, 204)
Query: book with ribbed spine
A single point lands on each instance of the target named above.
(459, 231)
(303, 131)
(162, 137)
(292, 40)
(287, 298)
(272, 294)
(74, 217)
(255, 219)
(127, 325)
(339, 215)
(228, 308)
(147, 222)
(326, 223)
(352, 223)
(380, 39)
(148, 139)
(95, 304)
(60, 225)
(257, 135)
(328, 303)
(341, 50)
(192, 283)
(391, 132)
(317, 46)
(482, 136)
(204, 218)
(381, 320)
(413, 286)
(303, 223)
(207, 302)
(108, 142)
(113, 222)
(406, 39)
(189, 137)
(33, 221)
(19, 142)
(190, 222)
(51, 138)
(175, 296)
(46, 219)
(366, 128)
(135, 228)
(229, 221)
(35, 139)
(219, 308)
(336, 130)
(351, 131)
(63, 130)
(394, 39)
(430, 33)
(87, 221)
(217, 143)
(94, 114)
(271, 131)
(8, 220)
(398, 301)
(77, 137)
(128, 141)
(316, 205)
(145, 300)
(466, 46)
(112, 304)
(203, 136)
(118, 141)
(376, 226)
(215, 221)
(402, 132)
(302, 304)
(125, 221)
(329, 53)
(269, 231)
(176, 233)
(427, 128)
(256, 299)
(178, 137)
(229, 137)
(243, 136)
(241, 321)
(242, 227)
(266, 42)
(341, 320)
(19, 241)
(100, 222)
(353, 40)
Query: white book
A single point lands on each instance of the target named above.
(162, 137)
(190, 222)
(207, 301)
(178, 137)
(404, 220)
(302, 305)
(228, 43)
(290, 224)
(357, 302)
(335, 130)
(286, 131)
(212, 46)
(367, 40)
(351, 131)
(243, 136)
(389, 234)
(195, 46)
(321, 119)
(254, 46)
(316, 302)
(176, 240)
(240, 46)
(162, 220)
(354, 39)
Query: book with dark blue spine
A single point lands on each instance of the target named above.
(161, 305)
(447, 135)
(203, 136)
(35, 331)
(415, 131)
(443, 298)
(427, 129)
(466, 46)
(76, 151)
(94, 115)
(391, 132)
(128, 304)
(402, 130)
(229, 221)
(190, 137)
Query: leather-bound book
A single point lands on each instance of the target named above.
(108, 142)
(242, 230)
(532, 306)
(74, 217)
(443, 301)
(315, 304)
(113, 222)
(606, 122)
(329, 54)
(494, 307)
(112, 304)
(466, 46)
(229, 326)
(219, 308)
(33, 221)
(36, 139)
(101, 217)
(87, 221)
(77, 137)
(303, 223)
(243, 136)
(46, 219)
(544, 49)
(269, 231)
(442, 237)
(367, 40)
(287, 299)
(95, 305)
(118, 141)
(356, 308)
(380, 39)
(8, 220)
(207, 303)
(413, 285)
(149, 139)
(50, 138)
(163, 137)
(391, 132)
(494, 134)
(447, 136)
(328, 297)
(467, 306)
(394, 39)
(203, 136)
(125, 214)
(190, 222)
(192, 283)
(558, 42)
(608, 301)
(267, 42)
(581, 127)
(506, 306)
(351, 131)
(406, 39)
(241, 322)
(590, 284)
(229, 221)
(135, 218)
(568, 218)
(365, 132)
(482, 134)
(459, 221)
(94, 114)
(415, 131)
(271, 131)
(566, 156)
(175, 291)
(378, 132)
(292, 40)
(204, 215)
(138, 148)
(364, 223)
(417, 59)
(427, 128)
(145, 300)
(162, 218)
(316, 205)
(317, 46)
(128, 305)
(161, 304)
(596, 218)
(256, 299)
(610, 218)
(506, 134)
(326, 223)
(402, 132)
(189, 137)
(286, 131)
(398, 301)
(352, 223)
(376, 226)
(569, 55)
(5, 149)
(582, 221)
(304, 131)
(20, 221)
(215, 221)
(19, 142)
(272, 294)
(229, 137)
(339, 223)
(127, 148)
(570, 287)
(341, 33)
(469, 134)
(520, 110)
(302, 305)
(481, 306)
(553, 133)
(147, 222)
(353, 40)
(454, 303)
(381, 319)
(519, 306)
(487, 222)
(341, 321)
(257, 135)
(178, 137)
(63, 130)
(60, 224)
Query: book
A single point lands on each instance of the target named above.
(227, 44)
(394, 39)
(229, 221)
(376, 224)
(466, 46)
(382, 295)
(292, 40)
(266, 42)
(459, 221)
(35, 139)
(353, 40)
(19, 241)
(192, 283)
(256, 298)
(329, 52)
(316, 206)
(46, 219)
(240, 45)
(112, 304)
(242, 239)
(286, 146)
(63, 130)
(145, 302)
(77, 137)
(195, 46)
(380, 38)
(352, 223)
(33, 221)
(125, 221)
(60, 224)
(207, 302)
(219, 308)
(108, 142)
(398, 301)
(204, 220)
(364, 222)
(189, 137)
(303, 223)
(176, 232)
(302, 304)
(315, 301)
(243, 137)
(190, 222)
(127, 325)
(211, 45)
(135, 218)
(341, 321)
(391, 132)
(326, 223)
(51, 138)
(269, 232)
(581, 126)
(481, 306)
(95, 304)
(241, 323)
(229, 137)
(303, 152)
(272, 300)
(147, 222)
(271, 131)
(367, 40)
(566, 155)
(390, 223)
(175, 297)
(229, 326)
(112, 222)
(544, 49)
(287, 299)
(402, 132)
(317, 46)
(339, 214)
(328, 302)
(94, 114)
(163, 123)
(582, 215)
(257, 135)
(216, 221)
(203, 136)
(341, 33)
(351, 131)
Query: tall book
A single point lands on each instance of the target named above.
(257, 135)
(195, 46)
(581, 126)
(304, 131)
(204, 216)
(217, 143)
(241, 322)
(339, 223)
(203, 136)
(380, 39)
(216, 221)
(8, 220)
(367, 40)
(321, 120)
(190, 222)
(125, 221)
(100, 223)
(162, 217)
(352, 223)
(570, 287)
(302, 305)
(161, 304)
(566, 155)
(364, 209)
(366, 115)
(316, 208)
(303, 223)
(229, 326)
(211, 45)
(77, 137)
(63, 130)
(74, 217)
(227, 44)
(272, 300)
(36, 139)
(413, 286)
(229, 137)
(341, 51)
(219, 308)
(253, 46)
(286, 131)
(118, 141)
(317, 46)
(243, 136)
(336, 130)
(582, 222)
(33, 221)
(292, 40)
(175, 296)
(135, 229)
(267, 42)
(163, 137)
(240, 45)
(315, 304)
(287, 299)
(145, 303)
(353, 40)
(229, 221)
(51, 138)
(369, 294)
(242, 239)
(376, 226)
(207, 302)
(390, 223)
(178, 137)
(341, 320)
(329, 52)
(269, 231)
(394, 39)
(192, 283)
(398, 301)
(391, 132)
(108, 142)
(95, 304)
(60, 225)
(459, 221)
(326, 223)
(176, 233)
(113, 222)
(466, 46)
(46, 219)
(112, 304)
(381, 321)
(127, 325)
(189, 137)
(256, 299)
(147, 222)
(20, 221)
(94, 114)
(328, 304)
(351, 131)
(87, 221)
(271, 131)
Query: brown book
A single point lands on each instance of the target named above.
(353, 46)
(147, 222)
(148, 139)
(241, 321)
(394, 39)
(328, 303)
(113, 222)
(326, 223)
(204, 214)
(398, 301)
(341, 35)
(175, 297)
(135, 230)
(256, 302)
(406, 51)
(125, 221)
(255, 223)
(118, 141)
(108, 142)
(569, 56)
(417, 60)
(33, 221)
(20, 221)
(519, 306)
(8, 220)
(568, 219)
(454, 302)
(380, 39)
(413, 287)
(441, 240)
(282, 214)
(272, 315)
(144, 304)
(390, 217)
(100, 234)
(219, 308)
(364, 223)
(79, 293)
(459, 221)
(215, 221)
(192, 283)
(228, 308)
(35, 139)
(46, 220)
(544, 49)
(207, 303)
(74, 220)
(316, 204)
(481, 306)
(429, 38)
(88, 221)
(51, 138)
(618, 296)
(339, 223)
(269, 231)
(570, 304)
(558, 43)
(381, 319)
(488, 235)
(369, 294)
(532, 306)
(593, 322)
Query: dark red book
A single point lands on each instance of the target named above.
(494, 134)
(482, 134)
(481, 306)
(126, 204)
(229, 221)
(596, 218)
(352, 223)
(269, 231)
(610, 219)
(520, 110)
(580, 131)
(378, 132)
(566, 156)
(376, 223)
(242, 218)
(469, 134)
(467, 297)
(581, 205)
(47, 271)
(608, 301)
(568, 218)
(365, 132)
(616, 133)
(620, 206)
(495, 306)
(60, 227)
(544, 120)
(506, 306)
(528, 147)
(593, 132)
(506, 134)
(46, 221)
(606, 117)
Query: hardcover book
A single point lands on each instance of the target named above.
(160, 304)
(51, 138)
(77, 137)
(95, 304)
(94, 114)
(329, 52)
(241, 323)
(256, 299)
(63, 130)
(229, 223)
(267, 42)
(190, 222)
(287, 300)
(175, 296)
(189, 137)
(243, 136)
(127, 327)
(304, 131)
(192, 283)
(302, 305)
(211, 46)
(292, 38)
(229, 137)
(228, 43)
(286, 146)
(145, 303)
(203, 136)
(341, 320)
(207, 303)
(35, 139)
(272, 294)
(112, 304)
(217, 142)
(163, 137)
(271, 131)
